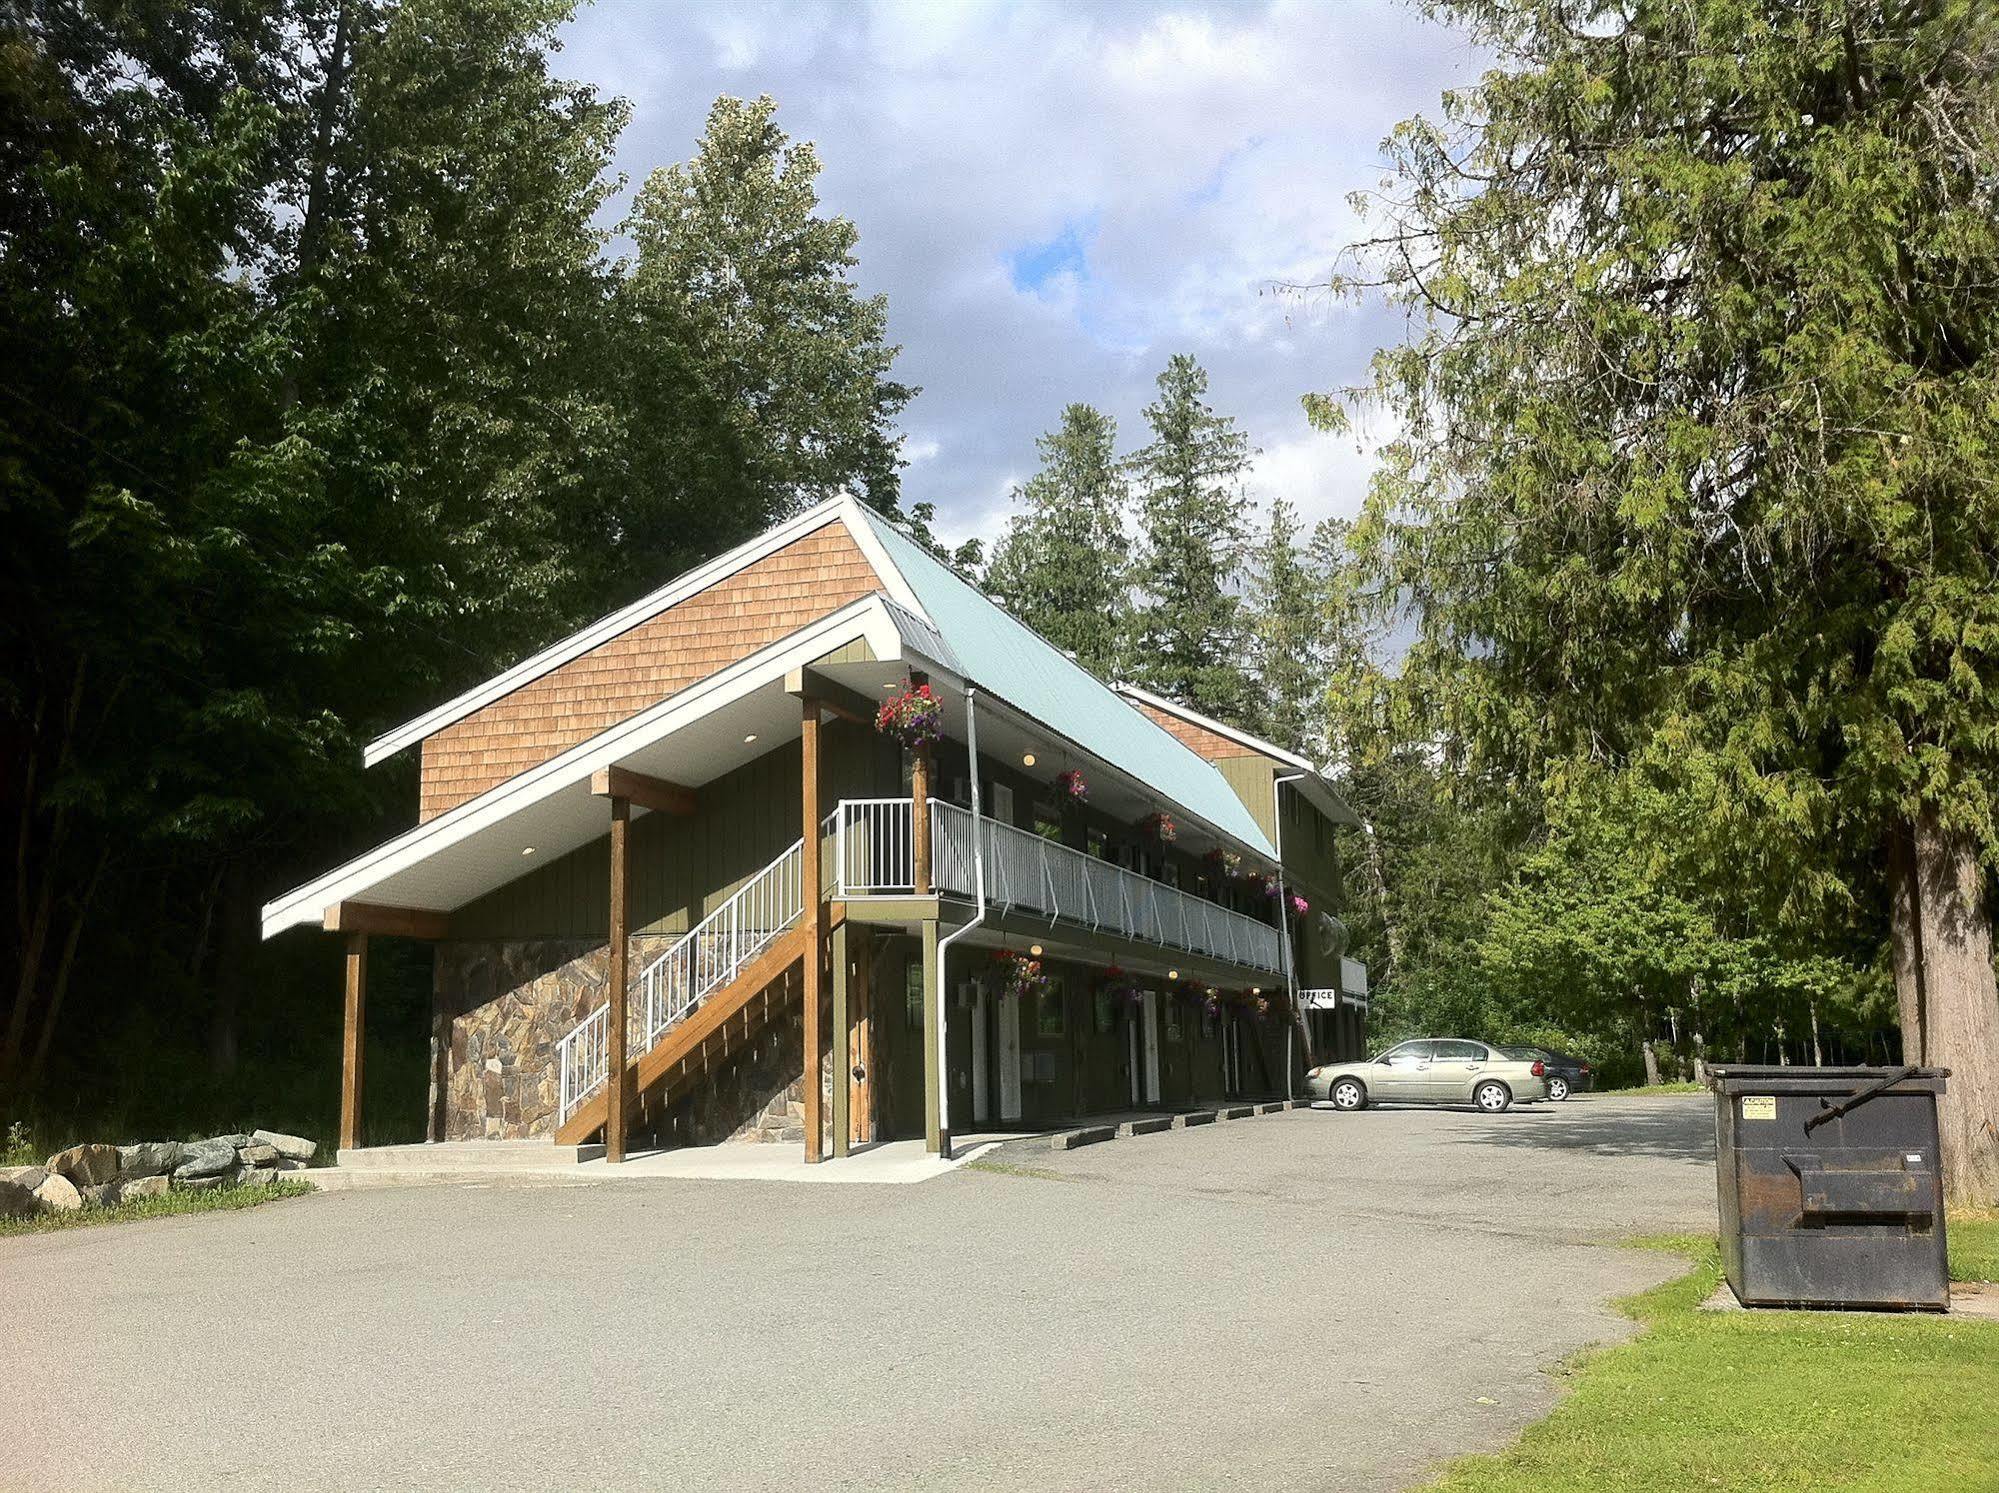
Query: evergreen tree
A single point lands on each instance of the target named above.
(1696, 476)
(1187, 637)
(1286, 624)
(736, 262)
(1061, 565)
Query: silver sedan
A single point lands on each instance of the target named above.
(1432, 1070)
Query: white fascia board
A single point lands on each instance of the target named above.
(866, 618)
(841, 509)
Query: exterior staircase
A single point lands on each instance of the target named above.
(706, 997)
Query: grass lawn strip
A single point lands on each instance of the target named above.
(1974, 1245)
(168, 1205)
(1765, 1401)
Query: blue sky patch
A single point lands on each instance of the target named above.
(1033, 266)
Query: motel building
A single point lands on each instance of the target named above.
(683, 887)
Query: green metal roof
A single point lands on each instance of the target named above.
(1005, 656)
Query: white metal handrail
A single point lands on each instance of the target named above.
(874, 846)
(1029, 871)
(699, 962)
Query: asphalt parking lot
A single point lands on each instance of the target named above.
(1305, 1299)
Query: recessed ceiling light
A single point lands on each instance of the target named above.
(1256, 990)
(527, 850)
(1173, 974)
(1035, 950)
(1027, 759)
(750, 738)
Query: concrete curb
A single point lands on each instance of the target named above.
(1089, 1135)
(1193, 1117)
(1235, 1112)
(1275, 1107)
(1149, 1126)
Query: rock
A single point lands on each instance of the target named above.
(142, 1187)
(256, 1154)
(17, 1201)
(103, 1195)
(287, 1164)
(197, 1184)
(29, 1177)
(236, 1139)
(86, 1166)
(59, 1194)
(151, 1158)
(291, 1147)
(205, 1158)
(256, 1176)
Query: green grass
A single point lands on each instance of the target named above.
(170, 1205)
(1974, 1245)
(1653, 1090)
(1761, 1402)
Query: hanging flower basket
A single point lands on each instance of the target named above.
(914, 718)
(1020, 974)
(1299, 906)
(1160, 827)
(1268, 885)
(1074, 790)
(1222, 863)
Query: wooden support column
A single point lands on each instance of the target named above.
(617, 1110)
(919, 821)
(861, 1042)
(815, 919)
(843, 1083)
(352, 1042)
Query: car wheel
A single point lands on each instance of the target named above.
(1558, 1089)
(1494, 1098)
(1347, 1094)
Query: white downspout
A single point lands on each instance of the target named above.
(1284, 923)
(944, 943)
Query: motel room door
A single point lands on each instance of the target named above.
(1009, 1057)
(1149, 1039)
(974, 997)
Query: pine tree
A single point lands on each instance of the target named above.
(1285, 622)
(736, 261)
(1186, 632)
(1061, 565)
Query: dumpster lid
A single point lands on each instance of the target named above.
(1743, 1078)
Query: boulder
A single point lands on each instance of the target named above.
(291, 1147)
(286, 1164)
(205, 1158)
(235, 1138)
(58, 1193)
(103, 1195)
(154, 1186)
(17, 1201)
(256, 1154)
(86, 1166)
(198, 1184)
(29, 1177)
(256, 1176)
(150, 1158)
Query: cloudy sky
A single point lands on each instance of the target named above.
(1057, 197)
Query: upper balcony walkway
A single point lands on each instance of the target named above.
(873, 854)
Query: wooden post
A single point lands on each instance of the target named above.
(843, 1083)
(861, 1046)
(919, 821)
(616, 1110)
(815, 919)
(353, 1042)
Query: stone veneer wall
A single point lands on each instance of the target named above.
(508, 1003)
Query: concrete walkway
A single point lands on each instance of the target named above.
(1308, 1299)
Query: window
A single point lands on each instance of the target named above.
(1408, 1054)
(1052, 1002)
(1047, 820)
(1459, 1052)
(912, 994)
(1002, 803)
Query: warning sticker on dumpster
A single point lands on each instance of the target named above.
(1759, 1106)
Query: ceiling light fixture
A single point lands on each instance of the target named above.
(1027, 759)
(750, 738)
(1173, 974)
(527, 850)
(1035, 950)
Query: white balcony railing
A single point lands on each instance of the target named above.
(873, 854)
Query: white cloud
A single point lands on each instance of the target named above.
(1198, 157)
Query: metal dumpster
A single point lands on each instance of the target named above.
(1831, 1192)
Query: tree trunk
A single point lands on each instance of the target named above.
(59, 989)
(1651, 1051)
(1948, 997)
(1818, 1052)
